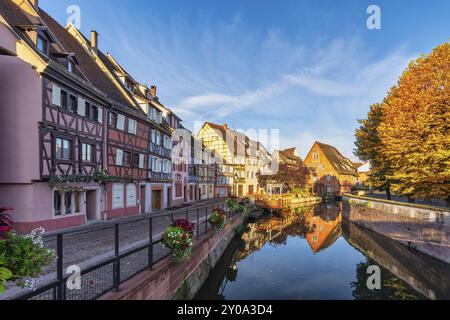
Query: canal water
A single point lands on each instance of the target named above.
(314, 253)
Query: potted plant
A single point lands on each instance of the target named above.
(22, 258)
(218, 219)
(178, 237)
(25, 257)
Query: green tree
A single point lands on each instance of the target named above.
(369, 148)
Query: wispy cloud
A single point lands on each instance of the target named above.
(224, 71)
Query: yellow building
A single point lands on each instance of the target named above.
(235, 148)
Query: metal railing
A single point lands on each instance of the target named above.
(109, 273)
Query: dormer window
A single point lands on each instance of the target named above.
(42, 44)
(128, 85)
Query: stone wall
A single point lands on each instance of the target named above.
(168, 280)
(405, 263)
(424, 228)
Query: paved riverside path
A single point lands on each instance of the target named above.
(90, 244)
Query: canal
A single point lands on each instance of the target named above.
(314, 253)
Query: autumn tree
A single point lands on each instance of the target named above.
(407, 137)
(414, 130)
(289, 176)
(369, 147)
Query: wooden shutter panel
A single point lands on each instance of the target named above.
(119, 157)
(117, 196)
(121, 122)
(131, 195)
(81, 107)
(100, 114)
(56, 95)
(141, 161)
(132, 126)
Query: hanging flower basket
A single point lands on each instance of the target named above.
(179, 239)
(218, 219)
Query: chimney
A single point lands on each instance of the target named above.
(153, 91)
(225, 126)
(94, 40)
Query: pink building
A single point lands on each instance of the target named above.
(52, 126)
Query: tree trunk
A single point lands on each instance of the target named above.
(388, 193)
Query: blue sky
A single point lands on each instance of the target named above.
(307, 68)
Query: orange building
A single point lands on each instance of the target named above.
(331, 172)
(325, 229)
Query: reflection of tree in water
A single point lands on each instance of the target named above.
(392, 288)
(298, 228)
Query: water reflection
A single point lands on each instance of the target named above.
(311, 253)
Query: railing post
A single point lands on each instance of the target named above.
(116, 265)
(150, 248)
(59, 267)
(198, 223)
(206, 220)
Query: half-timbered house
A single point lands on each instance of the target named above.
(155, 194)
(53, 127)
(127, 136)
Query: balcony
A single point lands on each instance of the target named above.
(159, 176)
(160, 150)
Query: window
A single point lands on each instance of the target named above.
(42, 45)
(87, 152)
(117, 195)
(57, 203)
(87, 109)
(113, 119)
(68, 202)
(63, 149)
(126, 159)
(73, 104)
(128, 85)
(63, 103)
(131, 195)
(94, 113)
(136, 160)
(316, 156)
(132, 126)
(328, 177)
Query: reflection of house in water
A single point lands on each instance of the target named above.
(320, 226)
(325, 228)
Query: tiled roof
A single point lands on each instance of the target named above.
(340, 163)
(289, 154)
(17, 17)
(89, 68)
